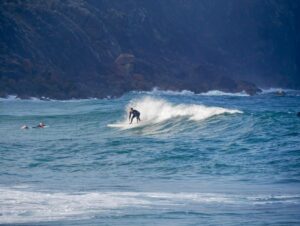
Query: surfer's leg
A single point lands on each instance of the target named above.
(132, 119)
(138, 118)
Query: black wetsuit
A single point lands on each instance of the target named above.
(134, 114)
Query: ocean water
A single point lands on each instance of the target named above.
(195, 159)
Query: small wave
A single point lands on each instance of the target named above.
(43, 99)
(157, 91)
(23, 206)
(10, 98)
(16, 98)
(221, 93)
(154, 111)
(276, 90)
(77, 100)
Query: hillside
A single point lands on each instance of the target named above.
(98, 48)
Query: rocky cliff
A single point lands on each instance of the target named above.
(96, 48)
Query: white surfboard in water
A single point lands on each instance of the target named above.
(117, 125)
(124, 125)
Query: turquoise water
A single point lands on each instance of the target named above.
(210, 159)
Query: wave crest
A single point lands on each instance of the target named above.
(221, 93)
(155, 111)
(157, 91)
(275, 90)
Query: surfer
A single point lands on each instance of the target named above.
(40, 125)
(24, 127)
(135, 114)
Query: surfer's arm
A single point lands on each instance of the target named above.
(129, 116)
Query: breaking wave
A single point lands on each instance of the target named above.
(157, 91)
(44, 99)
(280, 91)
(155, 111)
(221, 93)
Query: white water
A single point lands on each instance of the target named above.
(157, 91)
(221, 93)
(275, 90)
(155, 111)
(21, 206)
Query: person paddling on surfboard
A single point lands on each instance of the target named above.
(25, 127)
(40, 125)
(135, 114)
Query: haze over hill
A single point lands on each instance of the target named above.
(96, 48)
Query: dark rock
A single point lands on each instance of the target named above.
(124, 64)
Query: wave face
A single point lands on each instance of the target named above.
(194, 159)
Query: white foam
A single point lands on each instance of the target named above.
(221, 93)
(10, 98)
(155, 110)
(157, 91)
(43, 99)
(26, 206)
(22, 206)
(276, 90)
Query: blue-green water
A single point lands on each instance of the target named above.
(209, 159)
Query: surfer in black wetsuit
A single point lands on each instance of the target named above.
(25, 127)
(134, 114)
(40, 125)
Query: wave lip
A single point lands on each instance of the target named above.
(154, 111)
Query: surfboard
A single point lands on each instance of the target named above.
(118, 125)
(125, 125)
